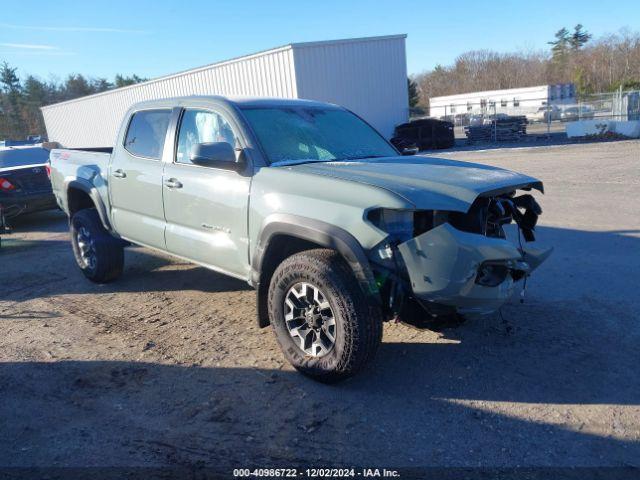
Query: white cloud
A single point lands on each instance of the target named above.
(39, 53)
(28, 46)
(70, 29)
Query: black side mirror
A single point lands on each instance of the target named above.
(215, 155)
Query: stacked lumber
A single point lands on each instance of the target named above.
(511, 128)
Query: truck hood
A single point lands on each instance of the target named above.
(426, 182)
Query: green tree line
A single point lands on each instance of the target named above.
(21, 99)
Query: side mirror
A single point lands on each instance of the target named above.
(215, 155)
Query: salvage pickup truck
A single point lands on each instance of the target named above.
(336, 230)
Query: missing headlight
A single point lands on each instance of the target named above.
(406, 224)
(425, 220)
(397, 223)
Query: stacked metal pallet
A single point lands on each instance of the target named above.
(511, 128)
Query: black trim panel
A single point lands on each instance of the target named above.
(89, 189)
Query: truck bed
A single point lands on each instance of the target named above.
(88, 166)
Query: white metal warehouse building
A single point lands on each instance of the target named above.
(365, 75)
(512, 101)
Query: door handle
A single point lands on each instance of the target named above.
(119, 173)
(172, 183)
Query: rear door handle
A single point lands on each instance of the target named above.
(119, 173)
(172, 183)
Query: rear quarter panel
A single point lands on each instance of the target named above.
(88, 167)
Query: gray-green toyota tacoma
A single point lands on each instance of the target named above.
(335, 229)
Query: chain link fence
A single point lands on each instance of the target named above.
(541, 118)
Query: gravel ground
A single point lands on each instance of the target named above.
(167, 367)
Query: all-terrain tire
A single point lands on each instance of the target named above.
(358, 322)
(99, 255)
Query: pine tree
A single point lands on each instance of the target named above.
(8, 79)
(10, 122)
(560, 46)
(579, 37)
(414, 96)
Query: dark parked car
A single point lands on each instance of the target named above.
(572, 114)
(24, 182)
(424, 133)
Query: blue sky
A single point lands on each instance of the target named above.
(154, 38)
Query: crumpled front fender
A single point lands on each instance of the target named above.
(443, 263)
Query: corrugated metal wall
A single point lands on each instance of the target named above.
(368, 76)
(94, 121)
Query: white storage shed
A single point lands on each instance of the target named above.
(511, 101)
(365, 75)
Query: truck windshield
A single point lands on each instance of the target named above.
(314, 134)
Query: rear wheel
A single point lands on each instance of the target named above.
(99, 255)
(324, 323)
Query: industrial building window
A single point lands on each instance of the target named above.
(516, 102)
(146, 133)
(201, 126)
(503, 103)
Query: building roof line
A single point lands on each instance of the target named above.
(494, 92)
(348, 40)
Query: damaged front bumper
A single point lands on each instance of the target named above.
(473, 273)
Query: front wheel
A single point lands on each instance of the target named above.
(99, 255)
(324, 323)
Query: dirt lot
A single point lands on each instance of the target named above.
(167, 366)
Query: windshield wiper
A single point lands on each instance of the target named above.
(300, 161)
(284, 163)
(364, 156)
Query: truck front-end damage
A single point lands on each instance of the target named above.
(446, 262)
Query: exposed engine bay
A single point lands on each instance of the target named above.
(436, 265)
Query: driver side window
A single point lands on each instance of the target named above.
(202, 126)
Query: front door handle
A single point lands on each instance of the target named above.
(119, 173)
(172, 183)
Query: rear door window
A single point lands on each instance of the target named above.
(146, 133)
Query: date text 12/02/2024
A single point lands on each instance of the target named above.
(316, 473)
